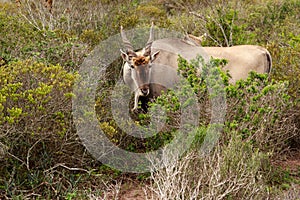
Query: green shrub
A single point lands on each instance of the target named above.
(223, 28)
(29, 88)
(91, 37)
(36, 130)
(21, 40)
(285, 66)
(15, 33)
(257, 108)
(149, 11)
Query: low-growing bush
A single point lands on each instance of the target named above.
(36, 130)
(30, 91)
(21, 40)
(285, 65)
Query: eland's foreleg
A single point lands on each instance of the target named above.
(136, 101)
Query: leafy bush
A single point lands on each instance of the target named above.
(21, 40)
(30, 88)
(285, 66)
(222, 28)
(36, 130)
(223, 23)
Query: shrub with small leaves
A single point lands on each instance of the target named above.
(30, 92)
(35, 121)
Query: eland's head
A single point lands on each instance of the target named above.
(140, 63)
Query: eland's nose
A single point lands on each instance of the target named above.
(145, 91)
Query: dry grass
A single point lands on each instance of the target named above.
(232, 171)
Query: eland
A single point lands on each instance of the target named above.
(154, 68)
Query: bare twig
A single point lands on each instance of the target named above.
(66, 167)
(28, 154)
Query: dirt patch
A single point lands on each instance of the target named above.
(130, 190)
(291, 161)
(133, 191)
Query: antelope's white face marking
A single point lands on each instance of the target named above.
(141, 73)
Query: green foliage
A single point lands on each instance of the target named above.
(258, 111)
(286, 65)
(152, 11)
(125, 15)
(21, 40)
(35, 119)
(222, 27)
(273, 16)
(91, 37)
(28, 88)
(256, 106)
(14, 35)
(281, 177)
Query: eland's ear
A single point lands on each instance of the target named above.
(154, 56)
(128, 55)
(124, 56)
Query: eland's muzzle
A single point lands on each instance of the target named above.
(145, 90)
